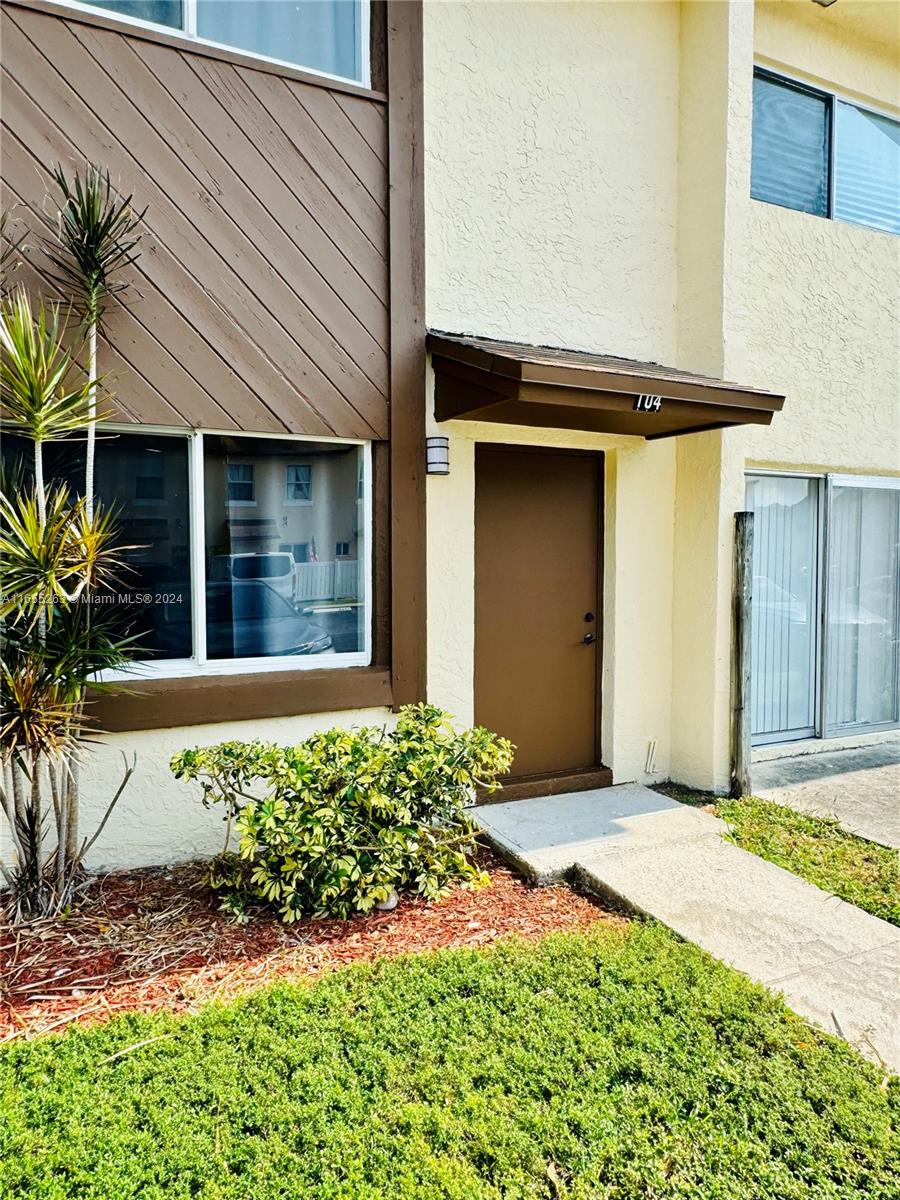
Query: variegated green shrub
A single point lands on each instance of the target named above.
(336, 824)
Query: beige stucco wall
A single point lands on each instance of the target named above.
(646, 183)
(822, 298)
(588, 186)
(823, 326)
(551, 174)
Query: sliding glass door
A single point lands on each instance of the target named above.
(826, 605)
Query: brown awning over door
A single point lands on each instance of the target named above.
(477, 379)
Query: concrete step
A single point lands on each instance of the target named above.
(835, 964)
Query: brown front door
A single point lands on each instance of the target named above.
(537, 604)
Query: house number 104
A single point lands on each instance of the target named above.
(645, 403)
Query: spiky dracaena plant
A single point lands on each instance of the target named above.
(96, 239)
(40, 390)
(55, 558)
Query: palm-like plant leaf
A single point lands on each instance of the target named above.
(9, 247)
(38, 718)
(37, 389)
(83, 641)
(49, 561)
(96, 239)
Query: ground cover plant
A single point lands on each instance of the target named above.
(616, 1063)
(815, 848)
(348, 818)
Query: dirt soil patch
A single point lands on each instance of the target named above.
(155, 939)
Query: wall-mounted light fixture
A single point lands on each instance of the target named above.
(437, 456)
(825, 3)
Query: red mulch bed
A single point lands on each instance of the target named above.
(155, 939)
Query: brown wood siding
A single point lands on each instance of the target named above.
(263, 285)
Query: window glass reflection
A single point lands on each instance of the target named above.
(322, 34)
(275, 510)
(144, 481)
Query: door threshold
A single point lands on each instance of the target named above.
(525, 787)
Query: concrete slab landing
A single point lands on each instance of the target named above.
(859, 788)
(835, 964)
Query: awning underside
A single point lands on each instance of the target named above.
(477, 379)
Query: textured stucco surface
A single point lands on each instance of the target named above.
(551, 136)
(588, 185)
(822, 308)
(822, 312)
(853, 47)
(159, 819)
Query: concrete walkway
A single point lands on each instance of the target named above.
(835, 964)
(859, 788)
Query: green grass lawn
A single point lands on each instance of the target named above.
(618, 1063)
(815, 848)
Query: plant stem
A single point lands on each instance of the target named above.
(92, 412)
(39, 489)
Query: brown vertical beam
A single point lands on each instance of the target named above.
(407, 332)
(378, 45)
(742, 597)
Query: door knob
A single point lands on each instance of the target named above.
(588, 639)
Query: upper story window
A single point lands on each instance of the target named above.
(324, 35)
(819, 154)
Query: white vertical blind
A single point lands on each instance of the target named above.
(862, 602)
(867, 168)
(785, 605)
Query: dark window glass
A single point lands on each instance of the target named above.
(790, 146)
(162, 12)
(144, 480)
(867, 168)
(322, 34)
(262, 598)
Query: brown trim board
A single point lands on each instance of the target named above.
(407, 356)
(506, 383)
(168, 703)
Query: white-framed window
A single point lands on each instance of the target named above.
(818, 153)
(240, 483)
(825, 604)
(329, 37)
(298, 483)
(215, 587)
(342, 550)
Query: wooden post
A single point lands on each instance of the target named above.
(742, 596)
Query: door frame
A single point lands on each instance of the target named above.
(598, 775)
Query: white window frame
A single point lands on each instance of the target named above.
(199, 665)
(189, 32)
(290, 500)
(775, 71)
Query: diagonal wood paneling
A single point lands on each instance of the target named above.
(263, 282)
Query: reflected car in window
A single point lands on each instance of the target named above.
(275, 568)
(250, 620)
